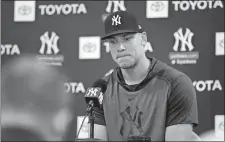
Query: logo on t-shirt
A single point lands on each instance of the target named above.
(132, 122)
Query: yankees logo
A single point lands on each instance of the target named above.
(185, 39)
(134, 122)
(92, 92)
(114, 6)
(50, 43)
(116, 20)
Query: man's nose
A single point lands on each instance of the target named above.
(121, 47)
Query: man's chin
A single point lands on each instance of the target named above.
(126, 66)
(126, 62)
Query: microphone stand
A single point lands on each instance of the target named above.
(89, 111)
(91, 118)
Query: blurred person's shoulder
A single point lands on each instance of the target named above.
(19, 134)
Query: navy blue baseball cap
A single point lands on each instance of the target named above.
(120, 22)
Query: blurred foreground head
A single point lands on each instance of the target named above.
(34, 104)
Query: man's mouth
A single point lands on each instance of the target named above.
(121, 56)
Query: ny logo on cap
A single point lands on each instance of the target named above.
(116, 20)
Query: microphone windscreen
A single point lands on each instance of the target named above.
(101, 83)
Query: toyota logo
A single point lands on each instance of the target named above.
(222, 43)
(157, 6)
(89, 47)
(24, 10)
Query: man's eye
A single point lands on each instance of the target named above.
(112, 42)
(127, 38)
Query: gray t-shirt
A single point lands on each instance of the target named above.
(165, 97)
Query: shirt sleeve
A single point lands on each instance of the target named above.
(182, 103)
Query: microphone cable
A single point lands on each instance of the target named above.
(81, 125)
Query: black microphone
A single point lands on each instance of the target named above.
(94, 98)
(94, 94)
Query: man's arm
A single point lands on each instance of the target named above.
(179, 132)
(182, 113)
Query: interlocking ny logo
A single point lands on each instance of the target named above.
(117, 5)
(92, 92)
(185, 39)
(116, 20)
(134, 120)
(49, 43)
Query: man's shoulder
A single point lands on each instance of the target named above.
(167, 72)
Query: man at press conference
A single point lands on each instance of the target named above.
(145, 97)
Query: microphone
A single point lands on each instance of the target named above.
(94, 98)
(94, 94)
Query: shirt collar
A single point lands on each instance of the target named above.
(121, 80)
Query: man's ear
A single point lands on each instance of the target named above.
(144, 38)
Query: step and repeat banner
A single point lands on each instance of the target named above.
(187, 35)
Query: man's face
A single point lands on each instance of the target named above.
(126, 49)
